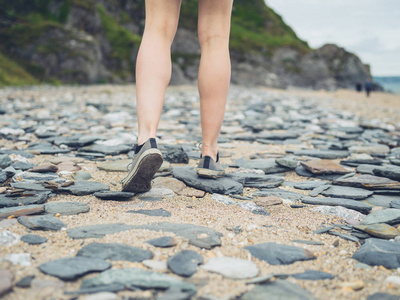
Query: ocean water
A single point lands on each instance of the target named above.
(390, 84)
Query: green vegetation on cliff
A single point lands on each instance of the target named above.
(12, 74)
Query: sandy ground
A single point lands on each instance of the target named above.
(286, 224)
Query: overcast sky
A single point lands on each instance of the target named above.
(368, 28)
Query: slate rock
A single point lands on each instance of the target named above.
(279, 254)
(318, 190)
(301, 171)
(347, 203)
(185, 262)
(37, 177)
(313, 275)
(309, 185)
(199, 236)
(233, 268)
(163, 242)
(382, 200)
(324, 166)
(314, 243)
(286, 195)
(370, 149)
(81, 188)
(176, 294)
(152, 212)
(137, 278)
(388, 216)
(66, 208)
(346, 192)
(370, 182)
(115, 165)
(7, 201)
(389, 171)
(324, 154)
(5, 161)
(381, 230)
(25, 282)
(222, 185)
(366, 169)
(256, 180)
(377, 252)
(383, 296)
(345, 236)
(19, 211)
(30, 186)
(113, 288)
(175, 154)
(287, 161)
(277, 290)
(33, 239)
(3, 176)
(45, 222)
(114, 251)
(395, 203)
(268, 166)
(107, 150)
(114, 195)
(72, 268)
(96, 231)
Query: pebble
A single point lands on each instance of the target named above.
(33, 239)
(233, 268)
(184, 263)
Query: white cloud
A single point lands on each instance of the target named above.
(369, 28)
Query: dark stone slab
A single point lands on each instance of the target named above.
(276, 290)
(112, 288)
(309, 185)
(18, 152)
(114, 251)
(357, 162)
(388, 216)
(97, 231)
(45, 222)
(5, 161)
(136, 278)
(107, 150)
(25, 282)
(222, 185)
(37, 177)
(3, 176)
(48, 149)
(313, 275)
(66, 208)
(199, 236)
(278, 254)
(33, 239)
(268, 166)
(346, 192)
(381, 200)
(287, 195)
(19, 165)
(318, 190)
(389, 171)
(395, 203)
(256, 180)
(383, 296)
(152, 212)
(366, 169)
(81, 188)
(114, 195)
(301, 171)
(377, 252)
(72, 268)
(368, 182)
(175, 154)
(348, 203)
(185, 262)
(30, 186)
(18, 211)
(345, 236)
(163, 242)
(324, 154)
(314, 243)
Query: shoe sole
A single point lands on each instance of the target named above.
(207, 173)
(139, 178)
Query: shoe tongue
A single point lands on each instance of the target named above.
(138, 148)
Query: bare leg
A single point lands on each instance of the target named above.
(153, 68)
(215, 69)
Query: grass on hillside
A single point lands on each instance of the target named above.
(12, 74)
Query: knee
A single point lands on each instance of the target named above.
(163, 29)
(207, 38)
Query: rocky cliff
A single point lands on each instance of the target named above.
(96, 41)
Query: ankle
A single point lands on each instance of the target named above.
(211, 151)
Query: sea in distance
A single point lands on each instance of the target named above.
(390, 83)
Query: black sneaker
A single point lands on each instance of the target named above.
(209, 168)
(145, 164)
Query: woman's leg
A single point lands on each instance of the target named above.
(153, 67)
(215, 69)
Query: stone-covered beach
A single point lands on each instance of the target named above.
(309, 209)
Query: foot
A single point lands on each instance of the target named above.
(209, 168)
(145, 164)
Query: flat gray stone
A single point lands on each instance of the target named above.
(45, 222)
(37, 177)
(346, 192)
(370, 182)
(152, 212)
(81, 188)
(185, 262)
(313, 275)
(287, 195)
(347, 203)
(30, 186)
(114, 251)
(33, 239)
(278, 254)
(256, 180)
(345, 236)
(366, 169)
(114, 195)
(377, 252)
(324, 154)
(318, 190)
(233, 268)
(114, 165)
(309, 185)
(395, 203)
(97, 231)
(277, 290)
(6, 201)
(388, 216)
(268, 166)
(222, 185)
(66, 208)
(72, 268)
(381, 200)
(107, 150)
(287, 161)
(199, 236)
(138, 278)
(163, 242)
(5, 161)
(389, 171)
